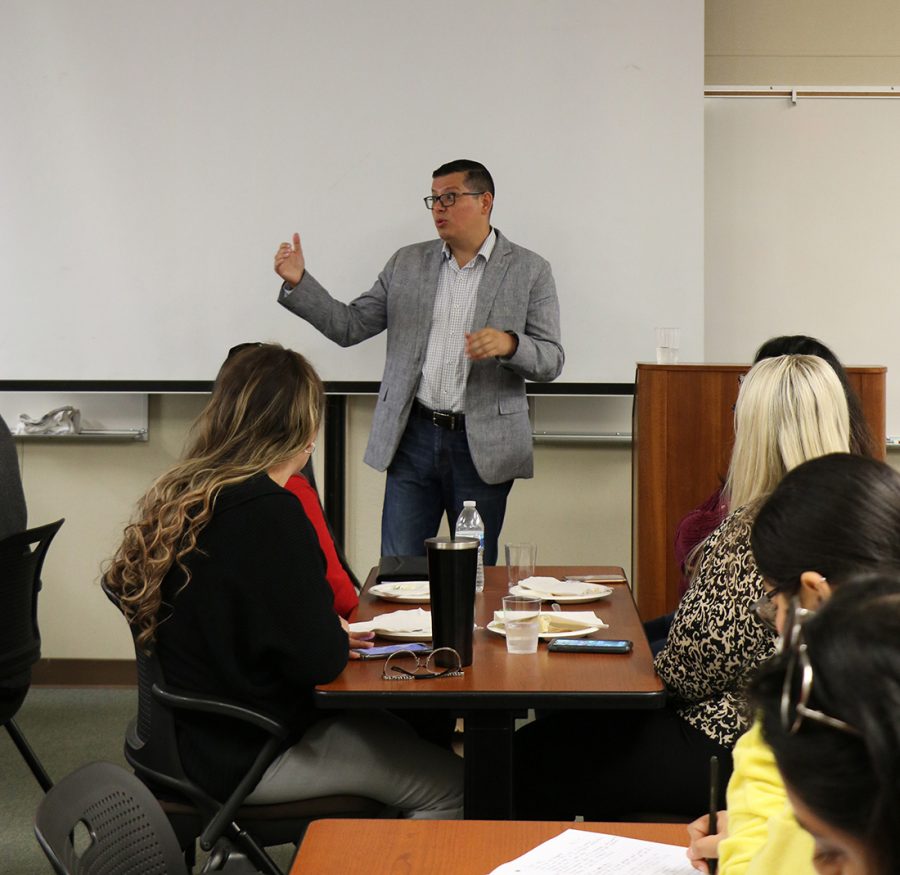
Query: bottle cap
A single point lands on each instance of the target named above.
(468, 504)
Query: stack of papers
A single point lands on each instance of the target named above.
(577, 852)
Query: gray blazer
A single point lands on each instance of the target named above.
(517, 293)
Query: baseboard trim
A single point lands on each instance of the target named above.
(84, 673)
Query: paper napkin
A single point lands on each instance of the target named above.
(562, 621)
(550, 586)
(414, 620)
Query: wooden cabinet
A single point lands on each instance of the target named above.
(683, 434)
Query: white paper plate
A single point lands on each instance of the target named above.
(404, 636)
(413, 591)
(593, 592)
(497, 629)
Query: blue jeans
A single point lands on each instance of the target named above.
(432, 474)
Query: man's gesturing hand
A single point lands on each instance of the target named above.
(289, 262)
(490, 342)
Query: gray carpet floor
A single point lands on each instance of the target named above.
(66, 728)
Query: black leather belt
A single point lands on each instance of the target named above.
(441, 418)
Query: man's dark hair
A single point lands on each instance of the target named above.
(477, 175)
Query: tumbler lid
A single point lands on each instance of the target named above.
(444, 543)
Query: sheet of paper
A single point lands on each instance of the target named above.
(577, 852)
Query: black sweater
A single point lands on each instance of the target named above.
(256, 624)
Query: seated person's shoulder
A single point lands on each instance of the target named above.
(735, 527)
(259, 503)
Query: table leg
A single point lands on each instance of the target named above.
(489, 765)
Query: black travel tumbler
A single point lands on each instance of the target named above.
(451, 574)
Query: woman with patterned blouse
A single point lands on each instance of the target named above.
(790, 409)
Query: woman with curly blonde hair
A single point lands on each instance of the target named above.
(222, 575)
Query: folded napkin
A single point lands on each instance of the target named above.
(414, 620)
(562, 621)
(550, 586)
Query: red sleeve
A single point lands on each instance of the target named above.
(345, 595)
(694, 528)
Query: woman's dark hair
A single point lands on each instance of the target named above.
(838, 515)
(850, 781)
(861, 441)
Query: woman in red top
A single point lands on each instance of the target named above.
(346, 597)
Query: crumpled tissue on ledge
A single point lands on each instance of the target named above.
(62, 420)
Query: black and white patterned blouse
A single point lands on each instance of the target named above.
(716, 642)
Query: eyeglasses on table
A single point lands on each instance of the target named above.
(404, 665)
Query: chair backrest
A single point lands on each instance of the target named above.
(21, 559)
(151, 742)
(102, 820)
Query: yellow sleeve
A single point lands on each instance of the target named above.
(763, 836)
(788, 849)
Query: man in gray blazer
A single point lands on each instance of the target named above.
(469, 318)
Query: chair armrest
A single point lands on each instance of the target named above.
(226, 814)
(211, 705)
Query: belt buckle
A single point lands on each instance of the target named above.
(443, 419)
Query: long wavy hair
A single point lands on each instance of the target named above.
(264, 410)
(790, 409)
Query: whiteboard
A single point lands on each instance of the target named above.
(155, 154)
(801, 228)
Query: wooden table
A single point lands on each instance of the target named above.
(443, 847)
(497, 687)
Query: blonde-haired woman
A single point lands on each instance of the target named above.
(790, 409)
(222, 575)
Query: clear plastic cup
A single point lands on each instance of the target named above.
(521, 620)
(520, 560)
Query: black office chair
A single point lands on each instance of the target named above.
(101, 820)
(21, 559)
(151, 748)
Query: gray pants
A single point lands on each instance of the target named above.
(369, 753)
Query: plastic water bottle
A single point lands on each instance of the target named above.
(470, 525)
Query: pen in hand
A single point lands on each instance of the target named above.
(712, 862)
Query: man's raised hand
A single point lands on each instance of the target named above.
(289, 262)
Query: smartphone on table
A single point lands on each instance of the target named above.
(588, 645)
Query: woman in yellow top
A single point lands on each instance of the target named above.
(828, 706)
(828, 520)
